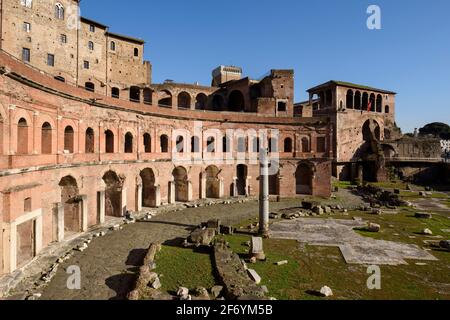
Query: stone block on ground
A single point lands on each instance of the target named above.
(216, 291)
(423, 215)
(256, 249)
(214, 224)
(254, 276)
(326, 292)
(227, 230)
(202, 236)
(318, 210)
(373, 227)
(445, 244)
(182, 291)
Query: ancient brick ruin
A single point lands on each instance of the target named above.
(85, 135)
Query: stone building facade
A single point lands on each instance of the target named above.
(86, 136)
(52, 37)
(358, 114)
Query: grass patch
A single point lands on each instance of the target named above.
(311, 267)
(180, 267)
(390, 185)
(343, 184)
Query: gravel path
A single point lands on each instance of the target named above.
(108, 265)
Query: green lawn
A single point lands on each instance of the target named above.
(312, 267)
(343, 184)
(180, 267)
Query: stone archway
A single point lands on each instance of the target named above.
(71, 201)
(113, 194)
(212, 182)
(181, 184)
(149, 190)
(304, 179)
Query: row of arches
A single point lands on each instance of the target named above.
(149, 189)
(242, 144)
(165, 98)
(366, 102)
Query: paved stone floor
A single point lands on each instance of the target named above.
(355, 248)
(108, 265)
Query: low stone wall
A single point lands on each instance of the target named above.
(147, 283)
(233, 275)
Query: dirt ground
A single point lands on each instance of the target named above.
(108, 266)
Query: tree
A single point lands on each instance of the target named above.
(436, 129)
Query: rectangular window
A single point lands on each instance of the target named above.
(91, 28)
(86, 64)
(63, 38)
(26, 55)
(321, 144)
(27, 205)
(26, 27)
(281, 106)
(51, 60)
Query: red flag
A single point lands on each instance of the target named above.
(369, 107)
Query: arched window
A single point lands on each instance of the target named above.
(135, 94)
(273, 145)
(306, 147)
(201, 101)
(91, 45)
(46, 138)
(195, 144)
(372, 103)
(148, 96)
(164, 144)
(180, 144)
(288, 145)
(242, 145)
(226, 144)
(22, 137)
(89, 141)
(69, 136)
(89, 86)
(350, 99)
(59, 11)
(165, 98)
(358, 100)
(236, 101)
(147, 143)
(184, 100)
(113, 46)
(129, 142)
(379, 103)
(329, 98)
(365, 101)
(218, 103)
(387, 109)
(211, 145)
(109, 141)
(256, 145)
(115, 93)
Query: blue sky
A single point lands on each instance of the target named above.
(321, 40)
